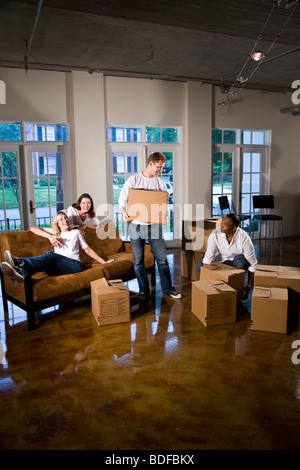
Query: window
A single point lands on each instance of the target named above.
(38, 176)
(123, 134)
(48, 185)
(222, 179)
(253, 137)
(10, 131)
(10, 217)
(162, 134)
(124, 165)
(224, 136)
(35, 132)
(129, 147)
(240, 166)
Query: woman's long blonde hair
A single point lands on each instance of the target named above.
(56, 219)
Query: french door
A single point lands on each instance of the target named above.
(11, 209)
(125, 161)
(34, 184)
(239, 173)
(47, 187)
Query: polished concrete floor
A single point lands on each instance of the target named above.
(161, 382)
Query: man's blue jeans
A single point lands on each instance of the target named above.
(52, 263)
(153, 233)
(238, 262)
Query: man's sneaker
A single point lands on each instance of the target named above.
(175, 295)
(8, 258)
(14, 273)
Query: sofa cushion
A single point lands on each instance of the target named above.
(105, 241)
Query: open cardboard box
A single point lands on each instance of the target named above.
(110, 301)
(277, 276)
(269, 309)
(148, 206)
(232, 276)
(214, 302)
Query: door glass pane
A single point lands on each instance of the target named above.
(246, 183)
(246, 162)
(251, 179)
(256, 162)
(9, 192)
(48, 186)
(255, 182)
(124, 165)
(168, 179)
(217, 162)
(227, 162)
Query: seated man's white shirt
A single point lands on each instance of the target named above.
(241, 244)
(71, 241)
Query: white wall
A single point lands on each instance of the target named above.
(33, 96)
(89, 102)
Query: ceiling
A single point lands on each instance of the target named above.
(207, 41)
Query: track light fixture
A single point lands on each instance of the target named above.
(258, 55)
(286, 4)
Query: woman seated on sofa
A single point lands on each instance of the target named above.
(82, 213)
(64, 260)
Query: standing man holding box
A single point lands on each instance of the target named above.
(141, 231)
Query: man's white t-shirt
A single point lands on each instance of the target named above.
(75, 218)
(139, 181)
(71, 242)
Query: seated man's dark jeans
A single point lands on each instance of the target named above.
(238, 262)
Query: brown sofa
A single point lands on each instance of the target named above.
(41, 291)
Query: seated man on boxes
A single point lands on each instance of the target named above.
(234, 246)
(141, 231)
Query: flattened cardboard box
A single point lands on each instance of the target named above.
(277, 276)
(195, 232)
(110, 304)
(189, 261)
(232, 276)
(269, 309)
(148, 206)
(214, 302)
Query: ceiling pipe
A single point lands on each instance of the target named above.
(32, 34)
(295, 110)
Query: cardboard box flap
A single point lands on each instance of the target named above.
(289, 274)
(223, 287)
(225, 268)
(262, 292)
(212, 287)
(118, 284)
(279, 293)
(289, 269)
(265, 268)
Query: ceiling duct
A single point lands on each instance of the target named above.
(295, 110)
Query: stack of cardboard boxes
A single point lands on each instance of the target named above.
(195, 232)
(275, 298)
(214, 296)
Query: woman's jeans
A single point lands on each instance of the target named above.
(238, 262)
(153, 233)
(52, 263)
